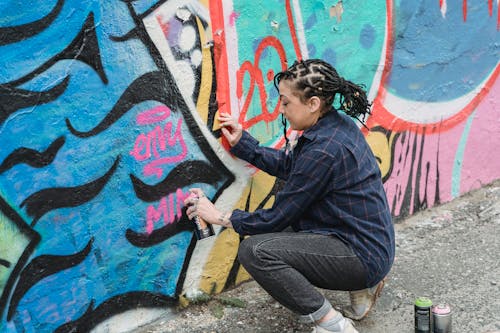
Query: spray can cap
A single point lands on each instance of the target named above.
(441, 309)
(423, 302)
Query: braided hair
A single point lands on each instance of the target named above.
(315, 77)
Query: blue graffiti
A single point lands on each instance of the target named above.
(77, 77)
(449, 48)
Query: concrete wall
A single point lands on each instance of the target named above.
(107, 117)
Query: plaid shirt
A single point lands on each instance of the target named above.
(333, 187)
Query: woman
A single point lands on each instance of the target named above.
(333, 200)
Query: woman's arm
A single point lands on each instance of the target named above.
(275, 162)
(307, 184)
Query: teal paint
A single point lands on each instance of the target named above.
(459, 157)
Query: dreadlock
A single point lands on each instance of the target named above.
(315, 77)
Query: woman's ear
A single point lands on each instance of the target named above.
(314, 104)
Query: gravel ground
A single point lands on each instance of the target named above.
(448, 253)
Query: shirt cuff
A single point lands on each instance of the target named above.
(236, 220)
(246, 146)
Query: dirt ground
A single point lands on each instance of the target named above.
(448, 253)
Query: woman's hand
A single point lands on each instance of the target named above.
(198, 205)
(230, 128)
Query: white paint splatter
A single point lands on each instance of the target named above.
(187, 38)
(186, 79)
(196, 57)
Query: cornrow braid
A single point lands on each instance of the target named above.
(315, 77)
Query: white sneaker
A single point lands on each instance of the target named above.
(348, 328)
(362, 301)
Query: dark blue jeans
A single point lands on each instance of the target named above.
(289, 265)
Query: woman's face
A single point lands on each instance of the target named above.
(301, 115)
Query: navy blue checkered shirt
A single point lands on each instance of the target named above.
(333, 186)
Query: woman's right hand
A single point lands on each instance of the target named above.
(230, 128)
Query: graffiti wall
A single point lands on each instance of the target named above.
(108, 117)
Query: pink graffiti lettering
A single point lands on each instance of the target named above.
(152, 144)
(154, 115)
(169, 208)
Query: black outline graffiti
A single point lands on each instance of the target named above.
(158, 90)
(418, 173)
(18, 33)
(184, 174)
(33, 157)
(34, 238)
(143, 240)
(13, 99)
(41, 202)
(113, 306)
(41, 267)
(84, 47)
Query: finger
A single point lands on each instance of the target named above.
(193, 195)
(224, 124)
(191, 211)
(225, 118)
(197, 192)
(189, 201)
(226, 132)
(194, 190)
(224, 115)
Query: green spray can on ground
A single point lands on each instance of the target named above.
(423, 307)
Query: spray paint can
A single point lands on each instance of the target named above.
(203, 229)
(441, 318)
(423, 315)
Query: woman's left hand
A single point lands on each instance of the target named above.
(199, 205)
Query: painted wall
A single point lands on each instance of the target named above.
(107, 118)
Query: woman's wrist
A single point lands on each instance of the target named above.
(224, 219)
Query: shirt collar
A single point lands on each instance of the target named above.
(322, 122)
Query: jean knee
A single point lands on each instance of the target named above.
(255, 254)
(246, 252)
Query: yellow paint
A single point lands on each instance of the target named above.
(242, 276)
(206, 75)
(260, 185)
(381, 147)
(183, 302)
(220, 262)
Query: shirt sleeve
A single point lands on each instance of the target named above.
(310, 178)
(273, 161)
